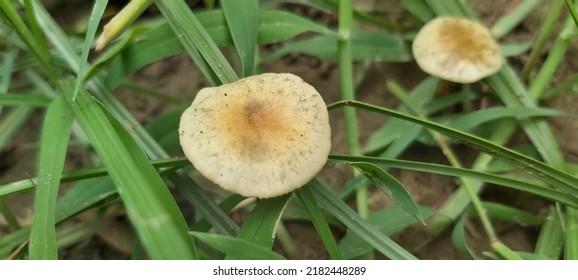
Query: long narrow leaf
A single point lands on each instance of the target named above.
(318, 219)
(261, 225)
(390, 186)
(388, 221)
(557, 178)
(12, 122)
(55, 135)
(551, 239)
(150, 207)
(238, 248)
(546, 192)
(355, 223)
(96, 15)
(243, 22)
(195, 39)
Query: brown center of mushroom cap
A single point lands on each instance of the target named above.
(255, 128)
(467, 42)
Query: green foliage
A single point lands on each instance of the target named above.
(136, 166)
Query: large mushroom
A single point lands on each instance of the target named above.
(456, 49)
(262, 136)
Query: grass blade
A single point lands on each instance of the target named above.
(275, 26)
(9, 13)
(389, 186)
(35, 100)
(551, 239)
(97, 12)
(209, 209)
(508, 22)
(243, 22)
(355, 223)
(238, 248)
(557, 178)
(459, 238)
(365, 45)
(388, 221)
(11, 123)
(542, 191)
(571, 248)
(506, 213)
(318, 219)
(468, 121)
(195, 39)
(260, 227)
(150, 206)
(55, 135)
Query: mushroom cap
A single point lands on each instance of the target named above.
(456, 49)
(261, 136)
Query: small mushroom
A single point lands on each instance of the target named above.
(261, 136)
(456, 49)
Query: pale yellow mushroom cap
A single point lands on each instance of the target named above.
(261, 136)
(456, 49)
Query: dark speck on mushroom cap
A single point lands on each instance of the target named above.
(268, 135)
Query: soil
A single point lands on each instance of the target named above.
(178, 77)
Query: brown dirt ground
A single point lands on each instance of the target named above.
(178, 77)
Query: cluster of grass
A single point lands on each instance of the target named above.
(137, 166)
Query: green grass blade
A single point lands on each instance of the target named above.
(11, 122)
(442, 102)
(388, 221)
(466, 122)
(552, 194)
(243, 22)
(459, 239)
(6, 71)
(9, 13)
(571, 248)
(227, 206)
(558, 178)
(54, 144)
(515, 49)
(509, 21)
(193, 36)
(96, 15)
(572, 10)
(365, 45)
(400, 132)
(35, 100)
(549, 21)
(389, 186)
(238, 248)
(511, 91)
(506, 213)
(551, 239)
(121, 21)
(334, 206)
(459, 200)
(210, 210)
(275, 26)
(419, 9)
(13, 240)
(555, 57)
(318, 219)
(104, 94)
(260, 227)
(150, 206)
(106, 57)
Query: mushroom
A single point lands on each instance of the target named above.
(456, 49)
(262, 136)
